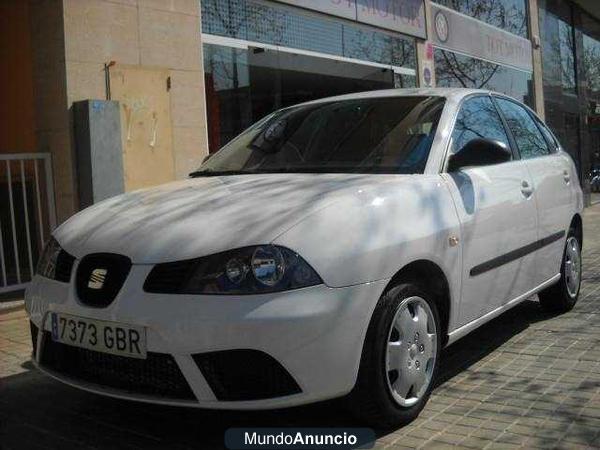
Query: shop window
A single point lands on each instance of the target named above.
(287, 27)
(567, 57)
(590, 32)
(558, 48)
(224, 18)
(363, 43)
(509, 15)
(242, 86)
(227, 87)
(591, 64)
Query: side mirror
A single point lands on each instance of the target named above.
(479, 152)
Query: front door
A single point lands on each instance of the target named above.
(497, 214)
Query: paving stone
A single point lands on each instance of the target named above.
(474, 442)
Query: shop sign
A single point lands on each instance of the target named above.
(458, 32)
(340, 8)
(403, 16)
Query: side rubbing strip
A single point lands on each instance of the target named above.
(515, 254)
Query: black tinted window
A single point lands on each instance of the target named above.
(380, 135)
(528, 136)
(478, 118)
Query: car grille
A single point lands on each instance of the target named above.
(64, 267)
(237, 375)
(100, 277)
(158, 375)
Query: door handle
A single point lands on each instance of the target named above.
(526, 189)
(566, 176)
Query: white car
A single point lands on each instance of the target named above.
(331, 250)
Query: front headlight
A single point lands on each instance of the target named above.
(46, 265)
(248, 270)
(55, 263)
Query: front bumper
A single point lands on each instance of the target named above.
(315, 334)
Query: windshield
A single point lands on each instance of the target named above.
(371, 135)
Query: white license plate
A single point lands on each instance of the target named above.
(99, 335)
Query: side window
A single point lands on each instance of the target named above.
(478, 118)
(528, 136)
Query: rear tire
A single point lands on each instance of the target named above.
(400, 358)
(562, 296)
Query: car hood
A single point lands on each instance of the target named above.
(200, 216)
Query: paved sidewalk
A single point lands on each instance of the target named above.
(527, 379)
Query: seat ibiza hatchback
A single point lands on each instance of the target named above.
(333, 249)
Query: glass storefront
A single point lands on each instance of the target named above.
(455, 70)
(558, 62)
(294, 28)
(279, 56)
(590, 58)
(262, 55)
(244, 85)
(571, 67)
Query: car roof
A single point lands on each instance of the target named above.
(450, 93)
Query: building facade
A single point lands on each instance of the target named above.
(189, 75)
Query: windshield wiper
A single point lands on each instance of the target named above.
(216, 173)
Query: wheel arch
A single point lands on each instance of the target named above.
(577, 225)
(436, 283)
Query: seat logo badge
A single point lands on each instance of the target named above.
(453, 241)
(97, 279)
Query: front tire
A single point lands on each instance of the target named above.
(562, 296)
(400, 358)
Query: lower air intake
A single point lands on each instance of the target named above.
(237, 375)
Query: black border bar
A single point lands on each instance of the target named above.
(515, 254)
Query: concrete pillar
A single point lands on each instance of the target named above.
(534, 33)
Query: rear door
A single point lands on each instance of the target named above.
(497, 215)
(552, 174)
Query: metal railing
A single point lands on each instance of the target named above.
(27, 215)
